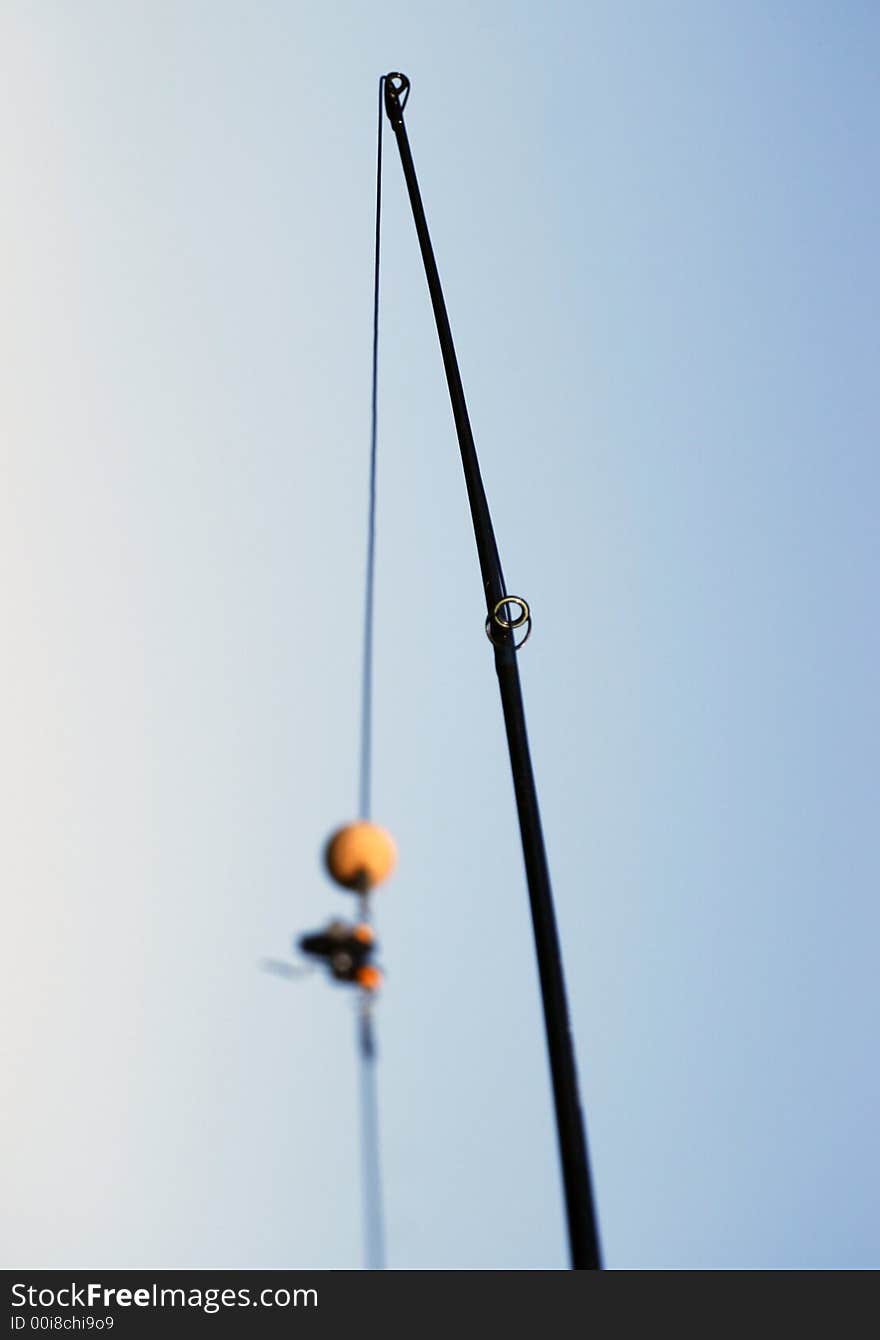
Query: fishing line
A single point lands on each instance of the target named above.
(360, 855)
(374, 1228)
(367, 675)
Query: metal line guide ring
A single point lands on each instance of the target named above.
(497, 620)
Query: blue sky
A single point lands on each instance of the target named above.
(656, 227)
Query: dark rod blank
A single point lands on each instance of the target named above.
(582, 1226)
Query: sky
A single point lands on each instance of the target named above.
(656, 227)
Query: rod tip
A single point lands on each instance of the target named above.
(396, 93)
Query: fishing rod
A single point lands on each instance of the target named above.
(508, 624)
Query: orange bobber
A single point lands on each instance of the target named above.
(360, 855)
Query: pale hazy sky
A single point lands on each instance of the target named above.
(657, 228)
